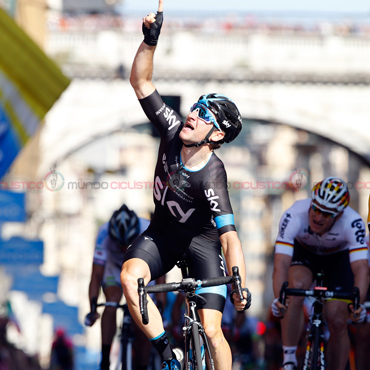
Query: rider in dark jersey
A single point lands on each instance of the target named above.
(193, 217)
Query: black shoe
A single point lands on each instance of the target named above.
(171, 365)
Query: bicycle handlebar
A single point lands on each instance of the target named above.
(319, 292)
(111, 304)
(186, 285)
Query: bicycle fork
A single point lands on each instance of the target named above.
(314, 357)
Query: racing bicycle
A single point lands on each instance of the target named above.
(314, 356)
(197, 350)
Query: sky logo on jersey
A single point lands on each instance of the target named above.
(171, 118)
(211, 197)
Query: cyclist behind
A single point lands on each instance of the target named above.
(361, 335)
(62, 355)
(321, 233)
(193, 215)
(111, 244)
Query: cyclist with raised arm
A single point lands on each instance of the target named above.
(321, 233)
(193, 217)
(112, 241)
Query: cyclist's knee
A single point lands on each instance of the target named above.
(131, 271)
(295, 300)
(337, 323)
(214, 333)
(336, 314)
(297, 284)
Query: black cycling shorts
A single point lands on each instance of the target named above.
(337, 270)
(202, 255)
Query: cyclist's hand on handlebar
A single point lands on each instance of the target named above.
(359, 315)
(278, 309)
(90, 318)
(245, 303)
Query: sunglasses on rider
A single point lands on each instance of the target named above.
(324, 214)
(204, 114)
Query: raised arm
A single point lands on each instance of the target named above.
(142, 67)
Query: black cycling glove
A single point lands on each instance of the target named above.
(249, 298)
(151, 34)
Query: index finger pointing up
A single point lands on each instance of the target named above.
(160, 6)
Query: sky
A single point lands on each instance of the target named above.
(327, 6)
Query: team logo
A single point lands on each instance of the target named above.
(226, 123)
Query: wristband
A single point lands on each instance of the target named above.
(93, 304)
(151, 34)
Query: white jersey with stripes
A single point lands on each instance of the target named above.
(348, 232)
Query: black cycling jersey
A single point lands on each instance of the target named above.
(192, 209)
(189, 202)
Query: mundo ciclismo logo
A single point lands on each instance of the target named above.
(53, 180)
(298, 180)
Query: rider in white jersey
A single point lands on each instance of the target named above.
(347, 232)
(321, 234)
(112, 241)
(361, 333)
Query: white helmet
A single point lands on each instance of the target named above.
(331, 193)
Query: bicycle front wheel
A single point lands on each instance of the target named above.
(316, 352)
(198, 355)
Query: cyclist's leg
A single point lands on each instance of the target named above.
(338, 276)
(113, 293)
(204, 260)
(362, 345)
(133, 269)
(336, 314)
(149, 257)
(221, 353)
(142, 348)
(300, 277)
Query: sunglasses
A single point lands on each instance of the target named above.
(324, 214)
(204, 114)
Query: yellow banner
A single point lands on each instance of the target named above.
(30, 83)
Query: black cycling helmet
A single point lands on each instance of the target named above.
(124, 226)
(227, 116)
(226, 112)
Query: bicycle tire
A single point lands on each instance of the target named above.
(198, 354)
(206, 353)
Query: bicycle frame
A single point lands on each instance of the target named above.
(197, 351)
(314, 357)
(315, 340)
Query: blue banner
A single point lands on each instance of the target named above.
(19, 251)
(12, 206)
(29, 279)
(9, 146)
(64, 316)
